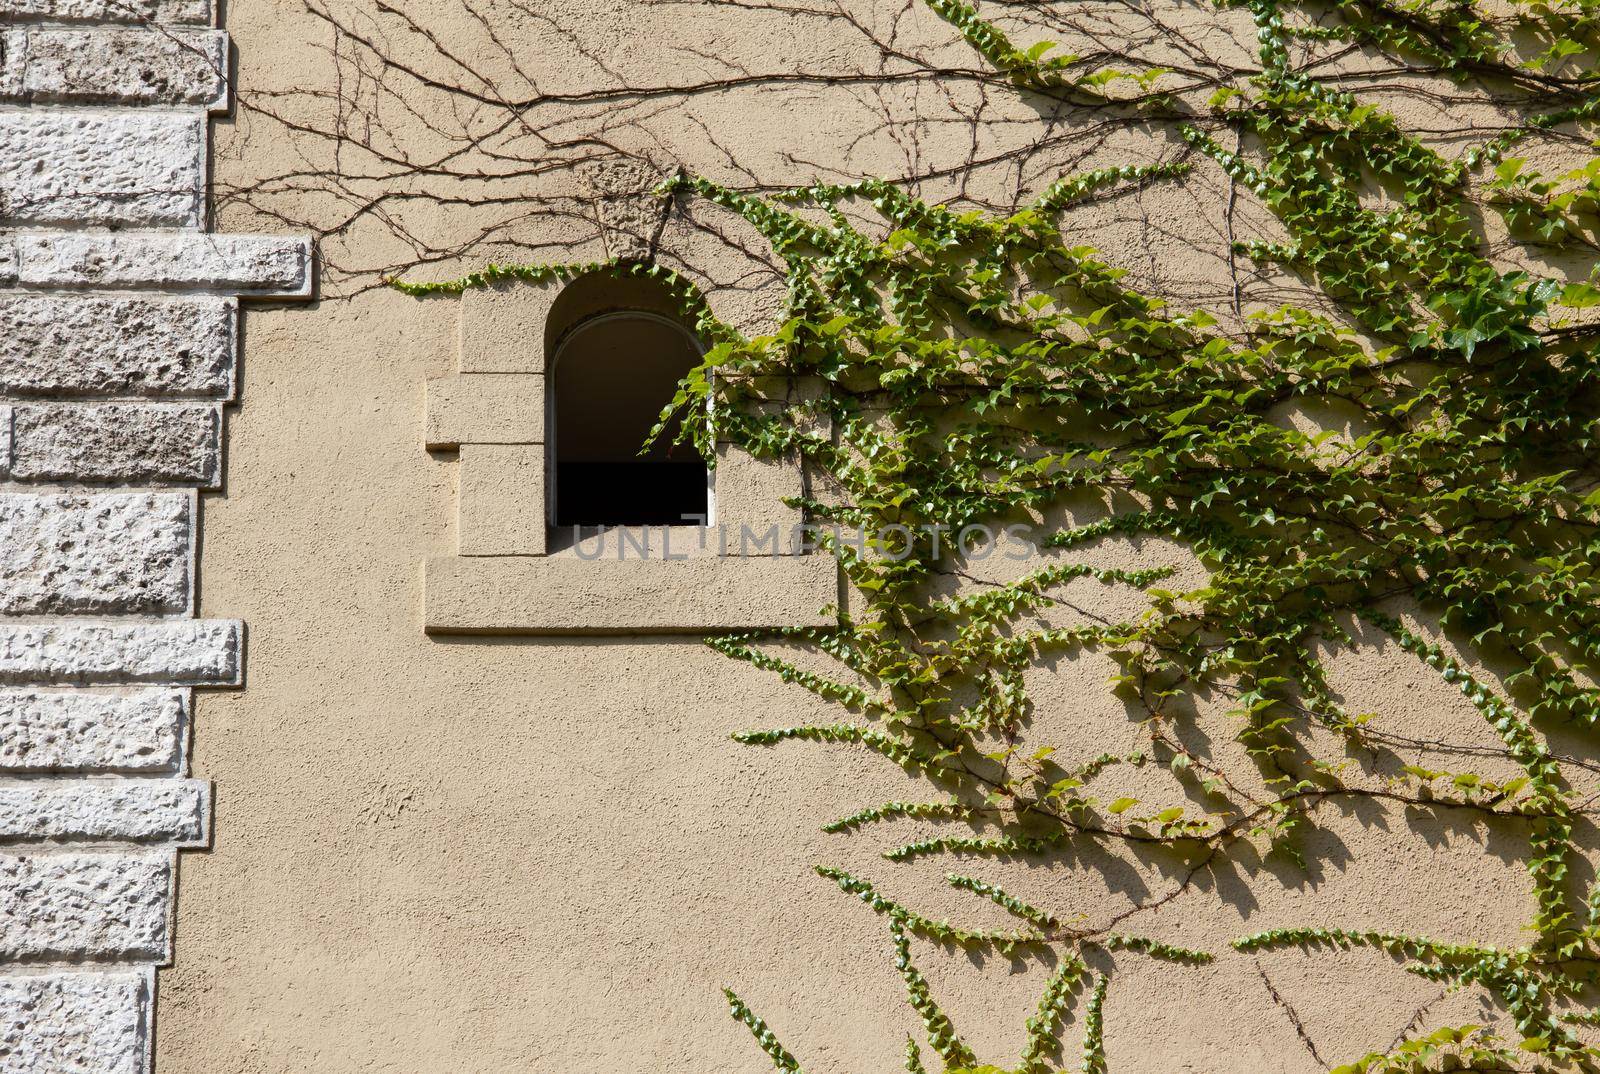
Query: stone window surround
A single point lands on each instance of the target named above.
(508, 577)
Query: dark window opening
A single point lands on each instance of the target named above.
(613, 374)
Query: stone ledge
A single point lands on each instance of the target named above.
(75, 1023)
(559, 595)
(234, 264)
(83, 554)
(189, 12)
(195, 652)
(123, 443)
(84, 905)
(100, 168)
(49, 731)
(171, 811)
(122, 345)
(119, 67)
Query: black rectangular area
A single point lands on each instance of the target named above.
(630, 493)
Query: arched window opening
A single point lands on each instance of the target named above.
(613, 373)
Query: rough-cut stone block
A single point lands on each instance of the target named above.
(131, 168)
(501, 506)
(106, 810)
(83, 905)
(82, 345)
(74, 1023)
(485, 408)
(86, 554)
(247, 264)
(122, 442)
(191, 12)
(567, 595)
(503, 327)
(195, 652)
(168, 67)
(74, 731)
(8, 260)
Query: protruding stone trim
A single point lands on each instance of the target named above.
(233, 264)
(168, 811)
(118, 344)
(187, 12)
(195, 652)
(124, 67)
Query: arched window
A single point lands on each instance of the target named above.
(611, 373)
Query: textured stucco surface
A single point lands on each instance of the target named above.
(503, 854)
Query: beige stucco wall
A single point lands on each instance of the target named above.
(460, 854)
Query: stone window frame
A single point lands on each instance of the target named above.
(506, 577)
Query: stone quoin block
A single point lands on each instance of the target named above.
(125, 345)
(74, 1023)
(188, 12)
(247, 264)
(99, 906)
(140, 731)
(82, 554)
(115, 67)
(484, 408)
(501, 503)
(128, 168)
(196, 652)
(106, 810)
(121, 442)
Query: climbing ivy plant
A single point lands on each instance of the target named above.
(981, 371)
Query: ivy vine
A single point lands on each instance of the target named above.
(981, 371)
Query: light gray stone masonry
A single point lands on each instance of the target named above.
(122, 67)
(126, 168)
(124, 443)
(118, 346)
(79, 731)
(180, 11)
(78, 554)
(59, 906)
(103, 810)
(236, 264)
(191, 652)
(122, 345)
(75, 1023)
